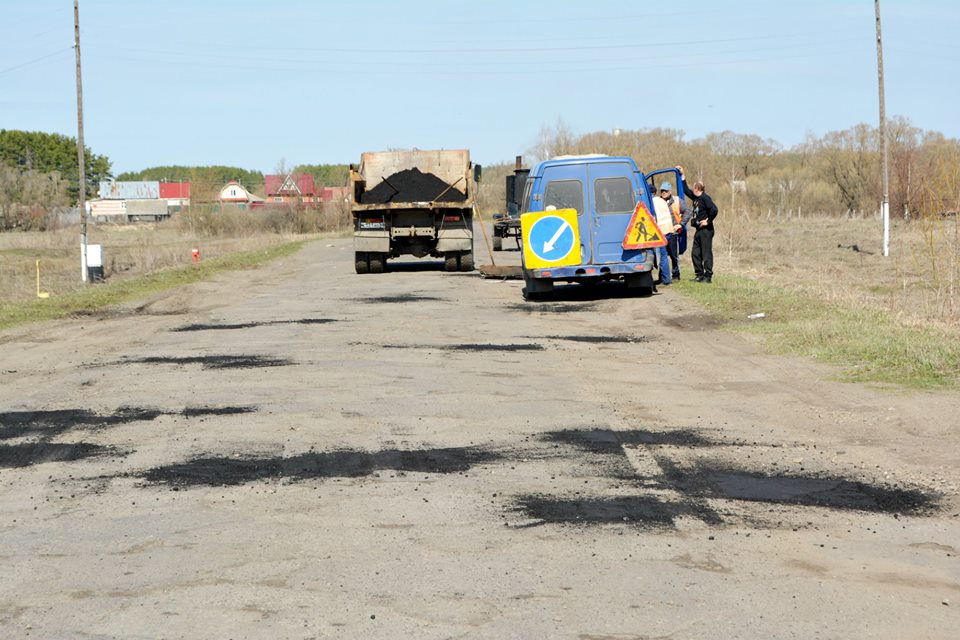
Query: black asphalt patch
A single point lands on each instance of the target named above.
(832, 492)
(249, 325)
(542, 307)
(601, 339)
(494, 347)
(406, 297)
(32, 453)
(50, 423)
(214, 362)
(609, 441)
(467, 347)
(641, 511)
(223, 471)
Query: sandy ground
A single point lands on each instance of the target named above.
(302, 452)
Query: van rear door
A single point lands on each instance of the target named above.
(614, 193)
(565, 188)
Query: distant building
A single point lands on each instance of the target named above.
(129, 190)
(177, 194)
(291, 189)
(234, 193)
(334, 194)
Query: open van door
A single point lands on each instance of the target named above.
(658, 177)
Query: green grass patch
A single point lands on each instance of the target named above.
(116, 292)
(868, 344)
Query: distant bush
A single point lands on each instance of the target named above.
(231, 220)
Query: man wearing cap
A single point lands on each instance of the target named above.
(664, 217)
(681, 216)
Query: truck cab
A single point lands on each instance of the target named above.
(604, 191)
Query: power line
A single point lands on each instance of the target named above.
(35, 60)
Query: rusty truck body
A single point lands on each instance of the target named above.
(418, 203)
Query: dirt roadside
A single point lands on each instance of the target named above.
(301, 452)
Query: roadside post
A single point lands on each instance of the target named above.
(40, 294)
(196, 257)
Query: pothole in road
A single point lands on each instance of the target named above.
(222, 471)
(32, 453)
(250, 325)
(53, 422)
(214, 362)
(693, 322)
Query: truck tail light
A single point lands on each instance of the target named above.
(451, 218)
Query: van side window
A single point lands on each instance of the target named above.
(564, 194)
(525, 204)
(613, 195)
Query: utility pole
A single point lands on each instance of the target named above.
(82, 191)
(885, 205)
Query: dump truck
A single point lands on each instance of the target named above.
(418, 203)
(507, 225)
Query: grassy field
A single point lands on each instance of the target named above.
(143, 259)
(882, 319)
(93, 298)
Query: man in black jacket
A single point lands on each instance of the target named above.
(704, 212)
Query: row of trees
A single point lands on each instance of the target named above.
(837, 173)
(38, 174)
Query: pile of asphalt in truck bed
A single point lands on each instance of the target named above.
(412, 185)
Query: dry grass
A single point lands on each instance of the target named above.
(137, 250)
(918, 284)
(890, 320)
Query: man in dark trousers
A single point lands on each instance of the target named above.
(704, 212)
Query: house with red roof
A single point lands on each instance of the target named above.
(177, 194)
(291, 189)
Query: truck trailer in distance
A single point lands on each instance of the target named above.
(417, 203)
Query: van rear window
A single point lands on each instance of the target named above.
(564, 194)
(614, 195)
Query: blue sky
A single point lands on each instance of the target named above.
(250, 83)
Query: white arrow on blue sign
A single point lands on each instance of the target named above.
(551, 238)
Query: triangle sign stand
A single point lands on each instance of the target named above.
(642, 232)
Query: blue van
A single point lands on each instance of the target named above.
(604, 190)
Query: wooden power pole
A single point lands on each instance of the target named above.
(82, 191)
(885, 204)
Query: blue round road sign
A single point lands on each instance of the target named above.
(551, 238)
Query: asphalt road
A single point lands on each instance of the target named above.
(302, 452)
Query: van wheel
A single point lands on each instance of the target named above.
(497, 243)
(451, 261)
(362, 262)
(466, 261)
(376, 263)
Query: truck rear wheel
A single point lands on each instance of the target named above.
(497, 243)
(361, 262)
(451, 261)
(376, 262)
(466, 261)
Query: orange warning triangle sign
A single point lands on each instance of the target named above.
(643, 232)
